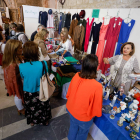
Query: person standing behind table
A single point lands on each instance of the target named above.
(124, 65)
(13, 27)
(20, 33)
(84, 99)
(39, 39)
(66, 46)
(12, 77)
(37, 112)
(39, 28)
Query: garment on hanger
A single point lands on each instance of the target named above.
(43, 18)
(79, 37)
(124, 34)
(56, 21)
(76, 16)
(50, 23)
(88, 29)
(84, 23)
(101, 42)
(72, 27)
(95, 34)
(111, 37)
(68, 21)
(60, 23)
(63, 21)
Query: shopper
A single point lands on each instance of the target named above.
(66, 45)
(39, 39)
(39, 28)
(12, 77)
(37, 112)
(13, 27)
(124, 65)
(84, 99)
(20, 34)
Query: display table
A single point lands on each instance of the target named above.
(105, 128)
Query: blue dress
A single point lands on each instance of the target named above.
(124, 34)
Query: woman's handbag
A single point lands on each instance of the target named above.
(1, 55)
(46, 86)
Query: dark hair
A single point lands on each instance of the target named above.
(20, 28)
(132, 47)
(30, 51)
(1, 37)
(89, 67)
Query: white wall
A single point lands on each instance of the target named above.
(31, 24)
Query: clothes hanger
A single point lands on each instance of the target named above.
(117, 14)
(107, 16)
(128, 17)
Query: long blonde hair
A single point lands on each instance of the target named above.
(10, 52)
(65, 34)
(41, 34)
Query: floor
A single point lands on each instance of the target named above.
(14, 127)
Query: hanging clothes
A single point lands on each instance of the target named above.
(95, 34)
(68, 21)
(124, 34)
(72, 27)
(50, 23)
(88, 29)
(111, 37)
(84, 23)
(43, 18)
(60, 23)
(56, 21)
(63, 21)
(76, 16)
(79, 37)
(101, 42)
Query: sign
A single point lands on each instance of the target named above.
(30, 11)
(95, 13)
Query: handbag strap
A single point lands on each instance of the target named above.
(44, 69)
(1, 49)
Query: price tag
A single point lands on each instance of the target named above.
(119, 23)
(129, 24)
(114, 25)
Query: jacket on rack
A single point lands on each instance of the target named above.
(72, 27)
(56, 22)
(76, 16)
(68, 21)
(63, 20)
(43, 18)
(79, 37)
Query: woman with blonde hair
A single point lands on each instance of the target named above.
(12, 77)
(65, 45)
(39, 40)
(64, 29)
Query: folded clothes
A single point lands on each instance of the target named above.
(67, 69)
(71, 59)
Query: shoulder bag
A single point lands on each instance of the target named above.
(46, 86)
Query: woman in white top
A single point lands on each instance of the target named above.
(65, 46)
(69, 37)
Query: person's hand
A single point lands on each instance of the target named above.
(49, 51)
(55, 39)
(106, 60)
(56, 50)
(62, 56)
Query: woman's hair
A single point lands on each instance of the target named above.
(20, 28)
(65, 34)
(30, 51)
(10, 52)
(132, 47)
(13, 25)
(89, 67)
(65, 29)
(1, 36)
(1, 29)
(41, 34)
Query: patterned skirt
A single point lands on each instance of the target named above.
(36, 112)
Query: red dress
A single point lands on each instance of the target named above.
(88, 29)
(111, 36)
